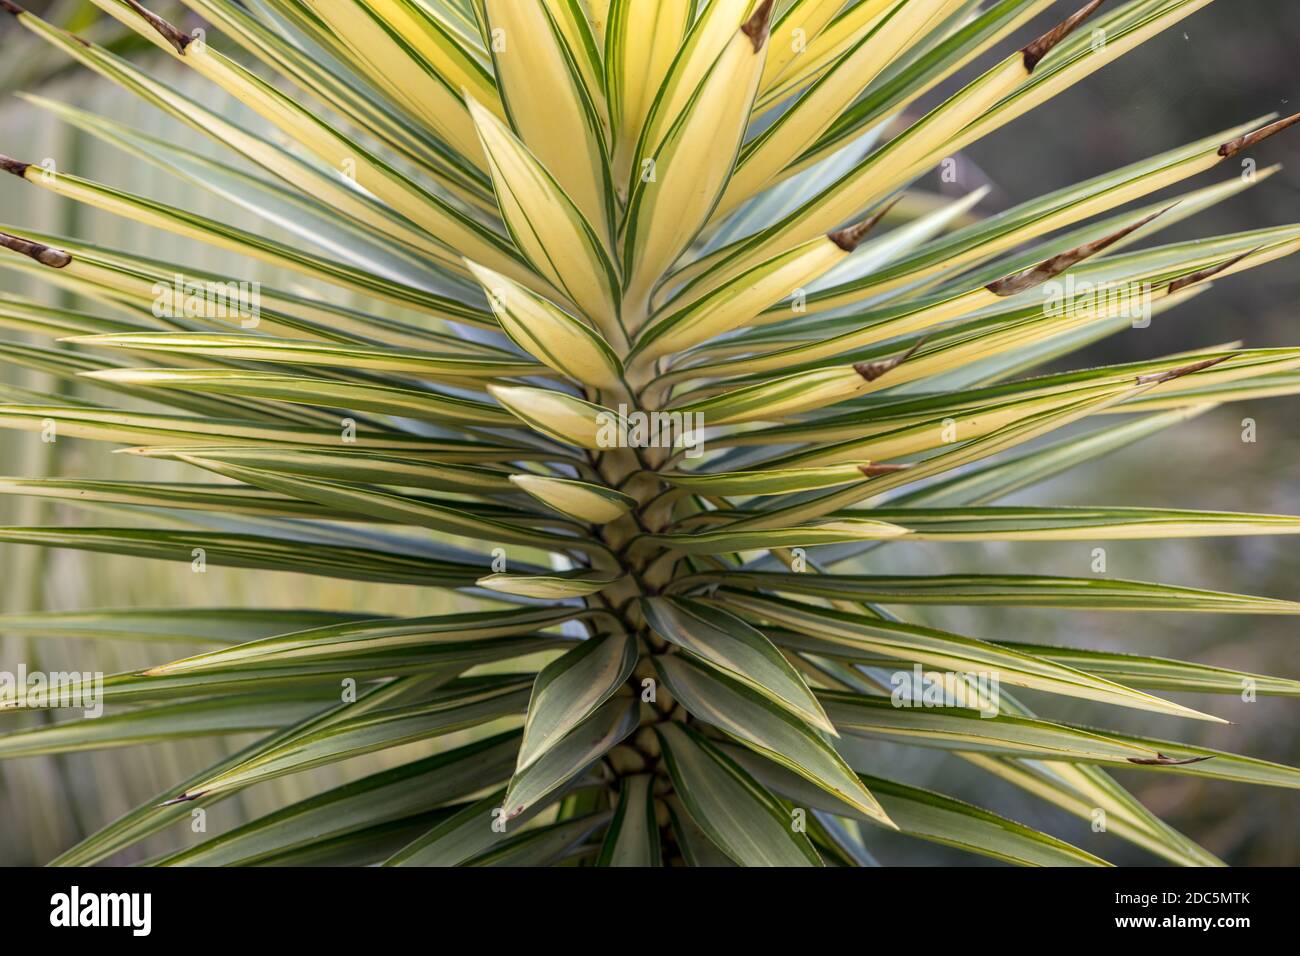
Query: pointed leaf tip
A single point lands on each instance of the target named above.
(10, 165)
(170, 33)
(1164, 760)
(1019, 282)
(873, 370)
(45, 255)
(850, 237)
(872, 471)
(183, 798)
(758, 26)
(1235, 146)
(1157, 377)
(1044, 45)
(1180, 284)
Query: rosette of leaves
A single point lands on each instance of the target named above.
(582, 216)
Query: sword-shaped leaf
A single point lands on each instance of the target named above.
(633, 835)
(456, 708)
(564, 759)
(730, 644)
(1078, 523)
(570, 688)
(263, 348)
(578, 499)
(773, 481)
(713, 697)
(341, 640)
(551, 104)
(827, 532)
(383, 797)
(735, 812)
(1162, 673)
(183, 625)
(148, 725)
(166, 808)
(946, 652)
(253, 551)
(677, 185)
(366, 467)
(547, 332)
(306, 390)
(562, 584)
(543, 846)
(557, 415)
(966, 730)
(1029, 590)
(550, 231)
(930, 816)
(472, 831)
(389, 506)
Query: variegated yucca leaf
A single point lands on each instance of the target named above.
(619, 317)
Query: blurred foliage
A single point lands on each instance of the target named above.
(27, 65)
(48, 804)
(1185, 83)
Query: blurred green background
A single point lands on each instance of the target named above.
(1229, 63)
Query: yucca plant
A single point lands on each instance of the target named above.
(647, 373)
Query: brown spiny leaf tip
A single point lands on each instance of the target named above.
(850, 237)
(1155, 378)
(1235, 146)
(183, 798)
(1018, 282)
(871, 471)
(757, 26)
(46, 256)
(1180, 284)
(1044, 45)
(11, 7)
(10, 165)
(873, 370)
(1163, 760)
(175, 37)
